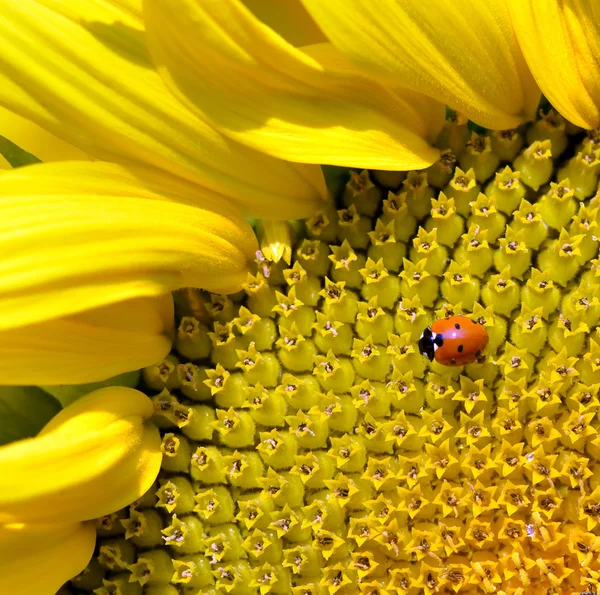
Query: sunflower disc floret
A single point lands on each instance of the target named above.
(310, 449)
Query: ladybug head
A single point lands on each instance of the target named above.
(426, 344)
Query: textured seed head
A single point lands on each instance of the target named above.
(308, 446)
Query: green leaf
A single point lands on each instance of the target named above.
(16, 156)
(24, 411)
(67, 393)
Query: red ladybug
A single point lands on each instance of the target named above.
(454, 341)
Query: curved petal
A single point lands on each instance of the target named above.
(96, 456)
(41, 558)
(462, 53)
(128, 13)
(81, 71)
(305, 104)
(79, 235)
(87, 347)
(563, 36)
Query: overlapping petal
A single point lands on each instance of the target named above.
(560, 40)
(463, 53)
(307, 104)
(40, 558)
(80, 235)
(81, 71)
(97, 455)
(89, 346)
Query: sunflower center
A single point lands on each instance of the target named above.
(311, 449)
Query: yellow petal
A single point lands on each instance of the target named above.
(36, 140)
(87, 347)
(79, 235)
(462, 53)
(561, 43)
(98, 13)
(305, 104)
(38, 559)
(81, 71)
(96, 456)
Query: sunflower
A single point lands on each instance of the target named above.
(307, 447)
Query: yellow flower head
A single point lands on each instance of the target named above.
(307, 446)
(326, 451)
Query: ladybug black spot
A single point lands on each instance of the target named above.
(457, 325)
(439, 340)
(452, 361)
(460, 348)
(478, 353)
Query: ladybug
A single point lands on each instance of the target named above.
(454, 341)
